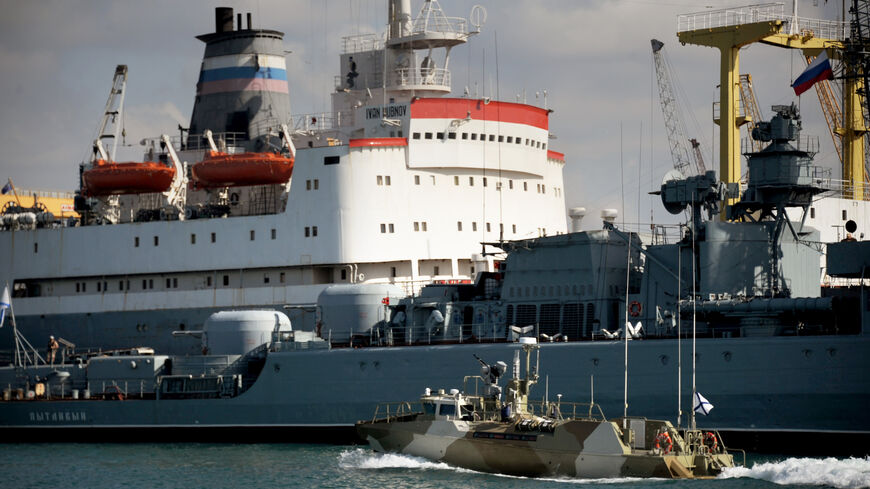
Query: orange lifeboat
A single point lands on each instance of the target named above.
(233, 170)
(108, 178)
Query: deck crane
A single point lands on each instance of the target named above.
(733, 28)
(685, 161)
(106, 208)
(751, 108)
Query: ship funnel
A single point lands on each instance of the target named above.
(223, 19)
(609, 215)
(576, 214)
(242, 87)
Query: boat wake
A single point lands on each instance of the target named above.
(840, 473)
(361, 458)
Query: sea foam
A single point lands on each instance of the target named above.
(366, 459)
(840, 473)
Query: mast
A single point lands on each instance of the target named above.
(694, 300)
(679, 341)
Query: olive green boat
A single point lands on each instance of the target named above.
(477, 431)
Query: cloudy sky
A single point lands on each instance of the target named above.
(592, 57)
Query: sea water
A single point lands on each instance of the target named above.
(188, 466)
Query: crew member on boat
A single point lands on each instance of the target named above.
(51, 350)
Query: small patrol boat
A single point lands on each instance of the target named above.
(520, 437)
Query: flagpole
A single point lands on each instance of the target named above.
(694, 331)
(679, 342)
(17, 200)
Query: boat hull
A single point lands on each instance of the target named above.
(575, 448)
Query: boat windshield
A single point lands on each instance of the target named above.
(429, 408)
(447, 410)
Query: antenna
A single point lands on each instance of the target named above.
(679, 342)
(694, 300)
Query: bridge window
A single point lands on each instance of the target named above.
(447, 410)
(331, 160)
(416, 135)
(428, 135)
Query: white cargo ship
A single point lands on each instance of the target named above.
(398, 184)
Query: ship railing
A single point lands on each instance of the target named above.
(699, 442)
(360, 81)
(44, 194)
(401, 79)
(436, 78)
(566, 409)
(270, 126)
(453, 333)
(766, 12)
(361, 43)
(439, 23)
(197, 142)
(393, 411)
(321, 121)
(808, 143)
(841, 188)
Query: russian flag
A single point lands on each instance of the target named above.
(818, 70)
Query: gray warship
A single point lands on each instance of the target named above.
(782, 358)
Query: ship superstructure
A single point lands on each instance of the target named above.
(398, 184)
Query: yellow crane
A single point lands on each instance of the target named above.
(751, 107)
(730, 29)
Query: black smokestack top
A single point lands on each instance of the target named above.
(238, 22)
(249, 21)
(223, 19)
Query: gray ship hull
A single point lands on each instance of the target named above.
(807, 386)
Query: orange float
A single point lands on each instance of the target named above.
(109, 178)
(232, 170)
